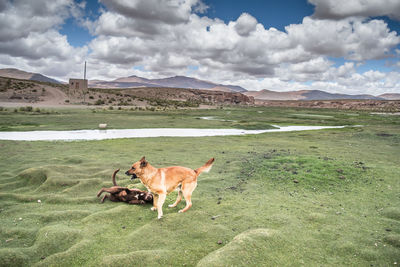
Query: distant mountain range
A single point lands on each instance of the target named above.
(393, 96)
(175, 82)
(20, 74)
(314, 95)
(193, 83)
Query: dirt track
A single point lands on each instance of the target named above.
(53, 98)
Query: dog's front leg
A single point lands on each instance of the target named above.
(104, 198)
(155, 200)
(160, 203)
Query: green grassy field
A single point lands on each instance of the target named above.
(312, 198)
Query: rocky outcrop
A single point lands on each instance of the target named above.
(203, 96)
(220, 97)
(372, 105)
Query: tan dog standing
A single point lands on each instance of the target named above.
(162, 181)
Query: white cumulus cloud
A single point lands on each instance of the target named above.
(245, 24)
(339, 9)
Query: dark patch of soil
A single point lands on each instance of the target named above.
(384, 134)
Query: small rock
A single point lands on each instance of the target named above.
(219, 242)
(20, 219)
(388, 230)
(219, 202)
(339, 170)
(295, 181)
(123, 227)
(42, 258)
(338, 213)
(342, 177)
(39, 201)
(215, 217)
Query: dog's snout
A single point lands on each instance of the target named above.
(127, 173)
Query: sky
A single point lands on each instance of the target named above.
(339, 46)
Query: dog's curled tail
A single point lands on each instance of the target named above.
(206, 167)
(113, 177)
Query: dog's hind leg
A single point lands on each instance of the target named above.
(178, 199)
(187, 190)
(111, 190)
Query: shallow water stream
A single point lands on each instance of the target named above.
(142, 133)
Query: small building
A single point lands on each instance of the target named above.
(78, 85)
(78, 88)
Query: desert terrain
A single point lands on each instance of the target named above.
(21, 92)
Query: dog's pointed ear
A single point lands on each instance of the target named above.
(143, 162)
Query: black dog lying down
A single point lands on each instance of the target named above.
(124, 194)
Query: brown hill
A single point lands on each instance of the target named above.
(162, 96)
(20, 74)
(26, 91)
(132, 79)
(22, 92)
(393, 96)
(174, 82)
